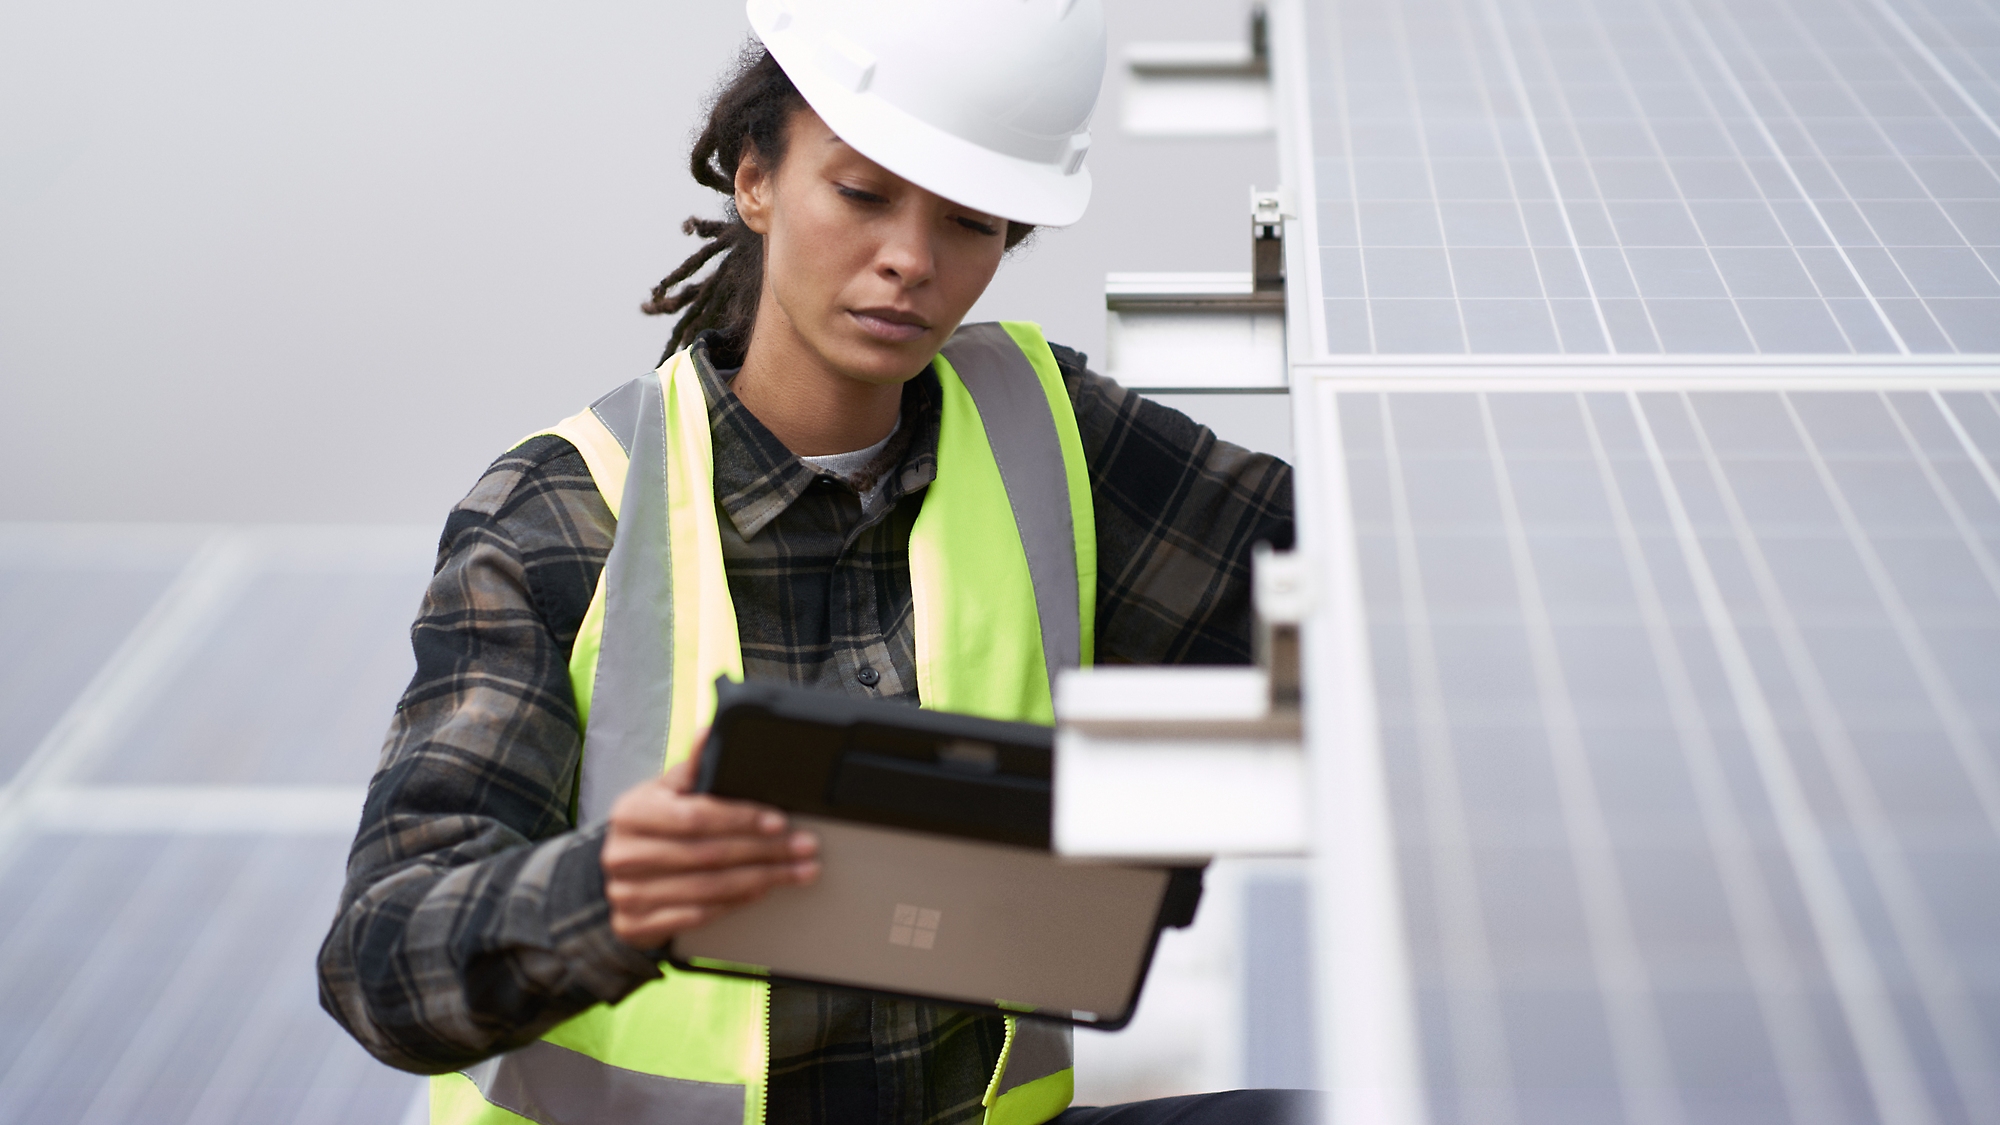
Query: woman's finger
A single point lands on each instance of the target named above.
(653, 809)
(641, 897)
(637, 857)
(659, 927)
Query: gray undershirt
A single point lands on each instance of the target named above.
(850, 467)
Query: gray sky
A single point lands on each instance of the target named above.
(321, 263)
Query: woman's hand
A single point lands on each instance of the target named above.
(674, 859)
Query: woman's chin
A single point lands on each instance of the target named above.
(872, 360)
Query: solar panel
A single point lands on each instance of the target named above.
(1687, 704)
(185, 736)
(1655, 176)
(1648, 354)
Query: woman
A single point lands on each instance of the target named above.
(795, 495)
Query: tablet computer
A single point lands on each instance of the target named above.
(937, 881)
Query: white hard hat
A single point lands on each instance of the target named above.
(985, 102)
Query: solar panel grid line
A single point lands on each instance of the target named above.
(1967, 1049)
(1898, 249)
(1983, 556)
(32, 545)
(1979, 24)
(280, 547)
(1480, 1066)
(1886, 1058)
(132, 678)
(1875, 121)
(253, 1054)
(1497, 26)
(1719, 59)
(248, 1053)
(1959, 729)
(1638, 1043)
(340, 1089)
(1533, 184)
(1565, 338)
(1353, 189)
(1939, 271)
(150, 996)
(42, 932)
(1972, 450)
(336, 549)
(1916, 938)
(1800, 1060)
(1579, 190)
(260, 810)
(1612, 51)
(1402, 39)
(1803, 1117)
(1495, 132)
(316, 716)
(418, 1111)
(112, 974)
(77, 618)
(1916, 43)
(122, 998)
(1494, 118)
(125, 1091)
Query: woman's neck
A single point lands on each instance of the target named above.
(812, 408)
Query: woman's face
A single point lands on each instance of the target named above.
(862, 268)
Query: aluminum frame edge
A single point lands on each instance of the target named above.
(1363, 1003)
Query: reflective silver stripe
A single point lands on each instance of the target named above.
(557, 1086)
(1041, 1048)
(620, 411)
(1022, 434)
(626, 739)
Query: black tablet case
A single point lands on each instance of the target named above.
(822, 753)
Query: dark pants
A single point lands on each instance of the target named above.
(1231, 1107)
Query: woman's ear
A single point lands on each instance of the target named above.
(754, 186)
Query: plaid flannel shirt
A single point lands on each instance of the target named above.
(474, 919)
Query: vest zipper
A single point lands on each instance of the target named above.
(1000, 1068)
(764, 1087)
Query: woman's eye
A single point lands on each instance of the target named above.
(977, 226)
(858, 195)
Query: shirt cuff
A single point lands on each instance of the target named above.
(600, 961)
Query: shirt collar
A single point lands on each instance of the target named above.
(757, 478)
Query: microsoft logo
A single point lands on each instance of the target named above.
(915, 926)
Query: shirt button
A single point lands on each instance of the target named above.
(869, 677)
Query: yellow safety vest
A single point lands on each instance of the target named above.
(1000, 604)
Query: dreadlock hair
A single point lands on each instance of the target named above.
(747, 114)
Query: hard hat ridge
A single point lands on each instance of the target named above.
(985, 102)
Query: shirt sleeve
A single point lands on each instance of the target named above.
(1177, 511)
(473, 917)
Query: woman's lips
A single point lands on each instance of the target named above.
(887, 325)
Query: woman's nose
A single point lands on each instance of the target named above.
(906, 254)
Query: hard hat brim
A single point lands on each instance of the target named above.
(972, 175)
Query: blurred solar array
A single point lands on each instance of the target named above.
(187, 721)
(1677, 176)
